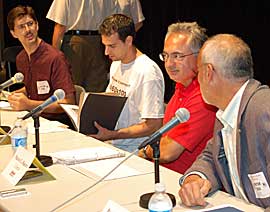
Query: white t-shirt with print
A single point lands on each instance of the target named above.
(143, 83)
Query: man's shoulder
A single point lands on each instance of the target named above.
(146, 65)
(255, 92)
(21, 55)
(52, 52)
(21, 59)
(50, 48)
(145, 60)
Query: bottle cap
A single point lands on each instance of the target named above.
(160, 187)
(18, 123)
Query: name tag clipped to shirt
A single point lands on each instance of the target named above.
(260, 185)
(43, 87)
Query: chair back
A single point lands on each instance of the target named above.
(10, 53)
(9, 56)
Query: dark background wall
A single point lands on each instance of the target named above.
(249, 19)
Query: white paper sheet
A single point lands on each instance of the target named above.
(112, 206)
(5, 105)
(47, 127)
(102, 167)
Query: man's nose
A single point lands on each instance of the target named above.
(106, 50)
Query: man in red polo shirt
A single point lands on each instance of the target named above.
(180, 146)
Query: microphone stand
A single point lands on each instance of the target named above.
(156, 156)
(45, 160)
(144, 199)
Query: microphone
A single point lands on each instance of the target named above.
(18, 77)
(181, 116)
(57, 95)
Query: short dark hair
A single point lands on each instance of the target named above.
(119, 23)
(19, 12)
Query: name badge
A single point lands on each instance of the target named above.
(43, 87)
(18, 165)
(260, 185)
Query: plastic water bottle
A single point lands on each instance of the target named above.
(160, 200)
(19, 135)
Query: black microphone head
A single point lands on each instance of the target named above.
(182, 114)
(18, 77)
(59, 93)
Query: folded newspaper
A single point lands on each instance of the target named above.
(75, 156)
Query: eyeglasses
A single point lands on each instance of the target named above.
(175, 56)
(27, 24)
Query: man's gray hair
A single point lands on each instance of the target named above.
(230, 55)
(197, 35)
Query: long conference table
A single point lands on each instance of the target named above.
(47, 196)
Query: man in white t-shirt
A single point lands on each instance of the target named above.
(136, 76)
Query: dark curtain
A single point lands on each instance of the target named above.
(249, 19)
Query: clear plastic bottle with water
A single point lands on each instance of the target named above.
(19, 135)
(160, 200)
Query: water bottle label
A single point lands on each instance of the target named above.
(159, 211)
(21, 141)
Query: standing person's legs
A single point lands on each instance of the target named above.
(90, 66)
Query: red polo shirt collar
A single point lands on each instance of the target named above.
(183, 91)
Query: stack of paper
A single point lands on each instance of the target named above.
(71, 157)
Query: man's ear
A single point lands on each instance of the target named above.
(129, 40)
(209, 72)
(13, 33)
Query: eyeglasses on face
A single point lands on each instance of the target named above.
(28, 24)
(175, 56)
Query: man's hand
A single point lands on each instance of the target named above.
(194, 190)
(103, 133)
(141, 153)
(18, 101)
